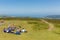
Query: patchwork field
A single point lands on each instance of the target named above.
(37, 30)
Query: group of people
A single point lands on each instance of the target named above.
(13, 29)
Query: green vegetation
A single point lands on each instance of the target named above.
(37, 30)
(56, 22)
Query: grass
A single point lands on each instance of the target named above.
(37, 30)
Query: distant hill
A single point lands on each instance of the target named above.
(53, 16)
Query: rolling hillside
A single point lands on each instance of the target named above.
(37, 30)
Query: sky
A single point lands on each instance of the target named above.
(32, 8)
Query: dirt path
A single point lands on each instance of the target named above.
(50, 25)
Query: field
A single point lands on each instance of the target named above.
(56, 23)
(37, 30)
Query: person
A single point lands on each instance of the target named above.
(4, 30)
(7, 30)
(10, 29)
(12, 26)
(18, 31)
(23, 30)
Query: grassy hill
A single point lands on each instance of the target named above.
(37, 30)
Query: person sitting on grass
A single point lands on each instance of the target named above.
(12, 27)
(7, 30)
(4, 29)
(23, 30)
(18, 31)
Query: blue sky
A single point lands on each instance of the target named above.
(34, 8)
